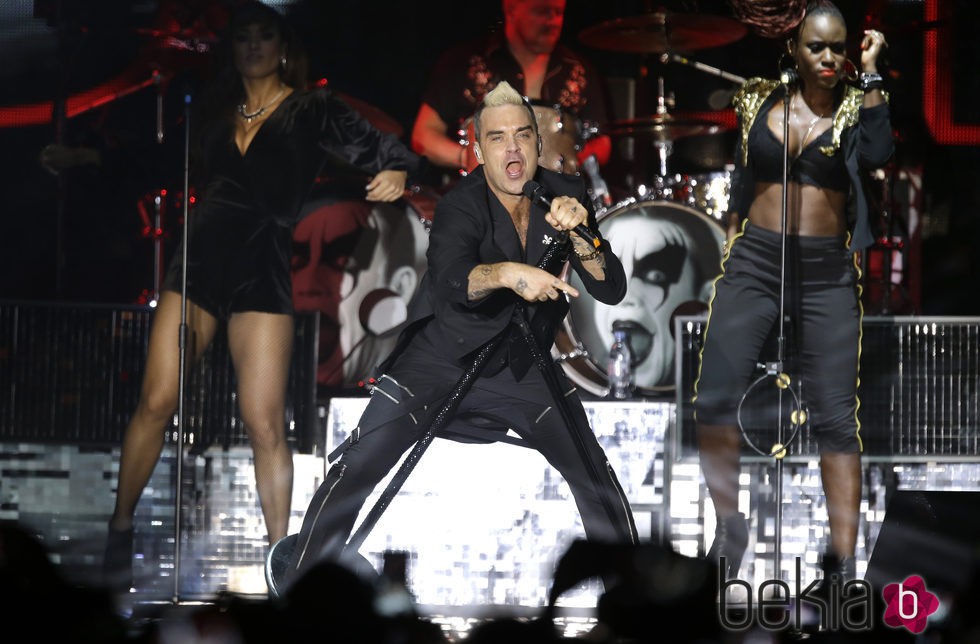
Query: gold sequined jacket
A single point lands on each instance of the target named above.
(864, 135)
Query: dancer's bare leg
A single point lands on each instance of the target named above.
(719, 451)
(261, 348)
(143, 440)
(840, 474)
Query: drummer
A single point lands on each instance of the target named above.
(529, 57)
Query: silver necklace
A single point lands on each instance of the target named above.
(251, 116)
(809, 130)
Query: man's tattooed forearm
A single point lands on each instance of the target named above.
(481, 291)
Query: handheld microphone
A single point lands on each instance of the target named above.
(535, 192)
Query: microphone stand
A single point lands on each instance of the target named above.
(182, 343)
(735, 78)
(281, 553)
(441, 419)
(663, 146)
(775, 368)
(156, 233)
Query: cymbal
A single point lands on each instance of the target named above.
(663, 127)
(661, 32)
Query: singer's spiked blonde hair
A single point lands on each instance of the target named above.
(503, 94)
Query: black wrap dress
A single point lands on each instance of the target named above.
(240, 230)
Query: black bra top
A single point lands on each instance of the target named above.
(811, 167)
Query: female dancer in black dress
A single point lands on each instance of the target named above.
(263, 142)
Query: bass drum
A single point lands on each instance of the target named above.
(358, 263)
(671, 254)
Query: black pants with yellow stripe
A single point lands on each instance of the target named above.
(821, 302)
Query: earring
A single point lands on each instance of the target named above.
(785, 61)
(282, 61)
(850, 71)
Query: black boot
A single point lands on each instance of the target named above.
(836, 569)
(731, 540)
(822, 605)
(117, 562)
(835, 572)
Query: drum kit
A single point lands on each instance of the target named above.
(658, 207)
(653, 199)
(644, 146)
(646, 188)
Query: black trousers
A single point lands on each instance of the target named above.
(823, 301)
(400, 412)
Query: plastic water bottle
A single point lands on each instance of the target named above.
(619, 368)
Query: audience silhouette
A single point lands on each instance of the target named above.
(652, 594)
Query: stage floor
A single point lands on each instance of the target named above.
(482, 525)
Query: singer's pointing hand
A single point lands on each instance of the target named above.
(534, 284)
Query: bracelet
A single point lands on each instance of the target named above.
(587, 256)
(870, 81)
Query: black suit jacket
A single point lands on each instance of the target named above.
(471, 227)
